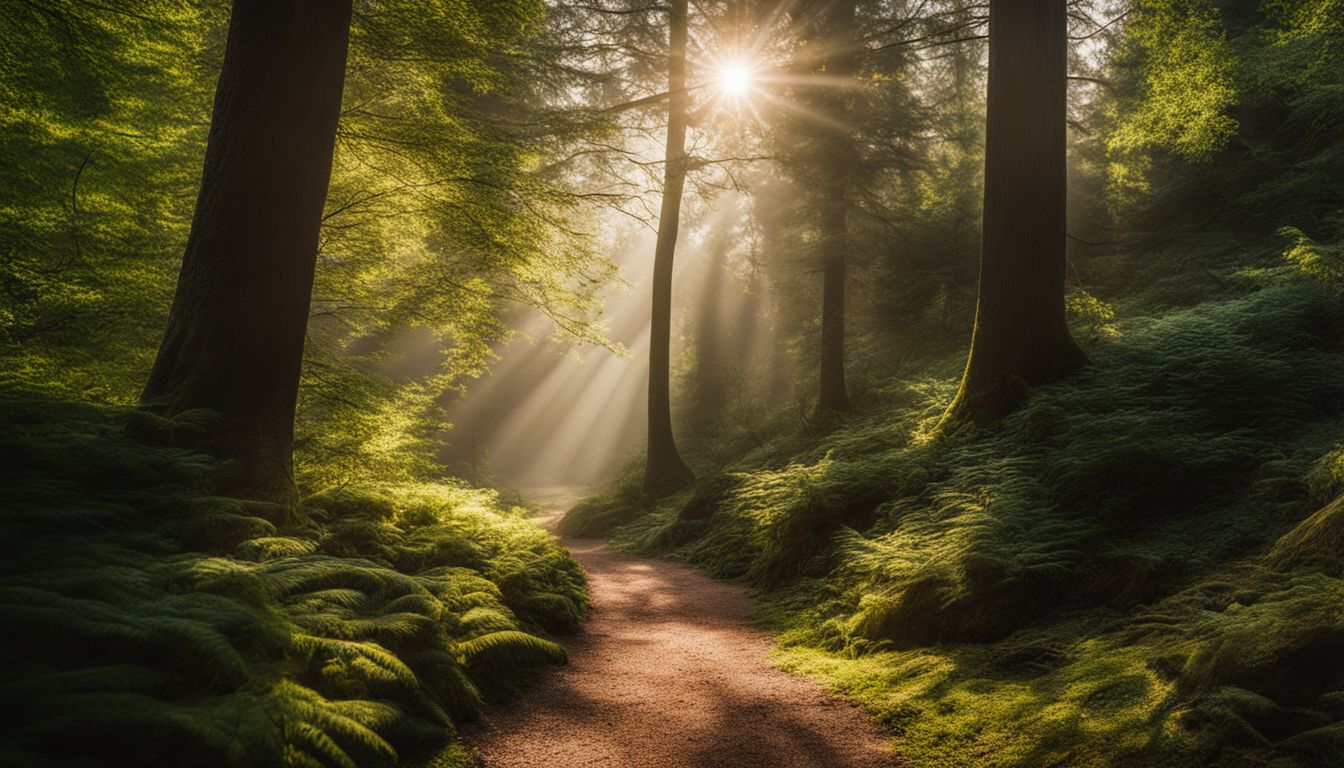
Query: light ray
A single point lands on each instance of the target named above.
(808, 81)
(810, 114)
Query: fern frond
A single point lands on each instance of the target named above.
(511, 648)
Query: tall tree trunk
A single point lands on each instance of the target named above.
(1021, 338)
(833, 393)
(711, 338)
(838, 40)
(664, 469)
(235, 335)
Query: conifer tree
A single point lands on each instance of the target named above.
(1021, 339)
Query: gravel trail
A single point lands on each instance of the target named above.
(669, 673)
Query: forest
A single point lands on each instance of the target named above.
(672, 383)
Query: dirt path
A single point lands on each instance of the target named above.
(668, 673)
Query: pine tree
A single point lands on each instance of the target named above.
(830, 31)
(1021, 338)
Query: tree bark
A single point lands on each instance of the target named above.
(235, 335)
(664, 470)
(1021, 338)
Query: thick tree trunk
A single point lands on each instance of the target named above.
(235, 336)
(664, 469)
(1021, 338)
(838, 40)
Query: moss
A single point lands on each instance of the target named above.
(1317, 541)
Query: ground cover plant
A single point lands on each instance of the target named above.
(1104, 578)
(362, 629)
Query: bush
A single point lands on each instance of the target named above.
(149, 623)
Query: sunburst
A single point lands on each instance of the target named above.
(735, 79)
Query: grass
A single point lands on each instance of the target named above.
(147, 622)
(1125, 572)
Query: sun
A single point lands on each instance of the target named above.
(734, 80)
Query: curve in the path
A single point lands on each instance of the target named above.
(669, 673)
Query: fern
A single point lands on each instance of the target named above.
(510, 648)
(126, 643)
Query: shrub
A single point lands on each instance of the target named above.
(150, 623)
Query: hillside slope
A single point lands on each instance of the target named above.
(1088, 583)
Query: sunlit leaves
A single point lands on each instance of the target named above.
(1321, 262)
(102, 124)
(1185, 89)
(1092, 319)
(437, 224)
(438, 217)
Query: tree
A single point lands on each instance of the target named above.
(840, 61)
(235, 336)
(1021, 338)
(663, 468)
(707, 389)
(831, 53)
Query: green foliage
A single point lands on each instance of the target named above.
(1185, 88)
(600, 513)
(440, 215)
(103, 118)
(495, 658)
(1260, 113)
(148, 623)
(1091, 318)
(1322, 263)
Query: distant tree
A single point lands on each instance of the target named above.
(664, 468)
(1021, 338)
(235, 336)
(707, 387)
(829, 32)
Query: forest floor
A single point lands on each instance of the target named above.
(670, 672)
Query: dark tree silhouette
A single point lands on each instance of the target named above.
(235, 335)
(824, 161)
(1021, 338)
(664, 469)
(839, 62)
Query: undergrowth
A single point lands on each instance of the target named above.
(149, 623)
(1113, 576)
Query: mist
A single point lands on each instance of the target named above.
(552, 411)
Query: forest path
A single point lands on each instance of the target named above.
(669, 673)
